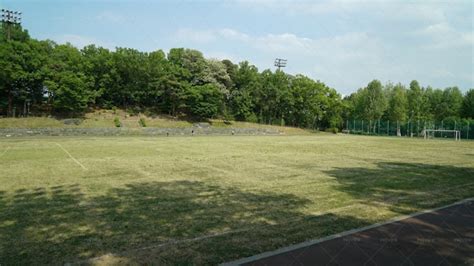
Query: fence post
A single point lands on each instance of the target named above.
(442, 127)
(418, 128)
(388, 127)
(408, 125)
(467, 134)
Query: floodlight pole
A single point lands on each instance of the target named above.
(10, 18)
(280, 63)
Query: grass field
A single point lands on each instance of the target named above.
(205, 200)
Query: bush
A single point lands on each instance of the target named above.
(252, 118)
(142, 122)
(117, 122)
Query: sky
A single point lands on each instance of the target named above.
(344, 44)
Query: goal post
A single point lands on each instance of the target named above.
(431, 133)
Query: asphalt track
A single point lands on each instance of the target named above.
(444, 236)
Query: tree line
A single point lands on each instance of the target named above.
(42, 77)
(399, 104)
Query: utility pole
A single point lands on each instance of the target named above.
(10, 18)
(280, 63)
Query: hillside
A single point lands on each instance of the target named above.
(105, 119)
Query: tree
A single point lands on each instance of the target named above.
(174, 88)
(157, 70)
(417, 102)
(14, 61)
(435, 103)
(468, 105)
(246, 92)
(131, 77)
(204, 101)
(191, 60)
(398, 105)
(70, 90)
(372, 102)
(452, 104)
(98, 64)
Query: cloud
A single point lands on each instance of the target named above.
(349, 45)
(326, 57)
(349, 60)
(403, 11)
(233, 35)
(444, 36)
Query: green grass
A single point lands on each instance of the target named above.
(205, 200)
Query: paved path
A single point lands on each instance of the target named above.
(443, 236)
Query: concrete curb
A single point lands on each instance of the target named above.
(146, 131)
(338, 235)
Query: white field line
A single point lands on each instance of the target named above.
(70, 156)
(5, 151)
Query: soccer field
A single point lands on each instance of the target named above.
(206, 200)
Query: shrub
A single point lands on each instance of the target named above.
(252, 118)
(117, 122)
(142, 122)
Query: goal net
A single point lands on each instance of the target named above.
(442, 133)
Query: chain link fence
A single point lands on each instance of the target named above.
(411, 128)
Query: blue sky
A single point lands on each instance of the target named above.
(342, 43)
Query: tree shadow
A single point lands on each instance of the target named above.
(405, 186)
(185, 222)
(61, 224)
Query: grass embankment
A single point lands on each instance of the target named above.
(205, 200)
(105, 118)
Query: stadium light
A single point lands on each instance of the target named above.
(10, 18)
(280, 63)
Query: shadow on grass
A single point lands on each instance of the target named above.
(60, 224)
(406, 186)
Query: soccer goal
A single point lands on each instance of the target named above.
(442, 133)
